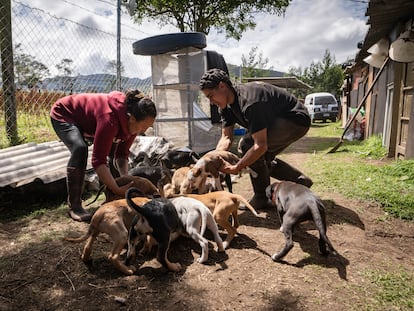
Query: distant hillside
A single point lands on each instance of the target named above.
(96, 83)
(103, 83)
(235, 71)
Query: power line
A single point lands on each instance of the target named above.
(103, 1)
(359, 1)
(107, 2)
(84, 9)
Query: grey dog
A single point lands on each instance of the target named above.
(296, 203)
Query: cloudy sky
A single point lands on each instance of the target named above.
(308, 28)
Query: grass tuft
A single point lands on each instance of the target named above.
(393, 289)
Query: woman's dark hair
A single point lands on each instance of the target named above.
(213, 77)
(139, 105)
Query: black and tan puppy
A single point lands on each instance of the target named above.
(177, 158)
(296, 203)
(164, 222)
(157, 175)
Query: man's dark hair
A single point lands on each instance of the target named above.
(213, 77)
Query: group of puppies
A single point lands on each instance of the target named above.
(157, 211)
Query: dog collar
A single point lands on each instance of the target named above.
(275, 190)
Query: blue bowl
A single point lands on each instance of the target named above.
(239, 132)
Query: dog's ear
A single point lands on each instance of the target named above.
(196, 171)
(221, 161)
(142, 226)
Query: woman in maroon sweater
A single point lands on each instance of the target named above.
(106, 119)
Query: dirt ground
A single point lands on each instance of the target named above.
(39, 271)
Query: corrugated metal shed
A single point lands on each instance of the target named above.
(23, 164)
(383, 15)
(284, 82)
(26, 163)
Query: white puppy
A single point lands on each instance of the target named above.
(196, 217)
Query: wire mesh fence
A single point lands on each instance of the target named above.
(44, 57)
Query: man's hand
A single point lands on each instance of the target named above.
(228, 168)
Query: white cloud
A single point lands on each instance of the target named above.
(301, 36)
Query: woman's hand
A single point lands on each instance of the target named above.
(122, 190)
(106, 177)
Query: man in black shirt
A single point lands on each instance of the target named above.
(274, 119)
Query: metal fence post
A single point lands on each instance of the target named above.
(118, 46)
(7, 68)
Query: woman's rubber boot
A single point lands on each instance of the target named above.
(74, 182)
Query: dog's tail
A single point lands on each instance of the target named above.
(78, 239)
(205, 214)
(128, 197)
(208, 221)
(318, 214)
(246, 203)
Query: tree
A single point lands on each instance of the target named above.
(110, 79)
(323, 76)
(254, 65)
(65, 67)
(28, 70)
(231, 17)
(111, 67)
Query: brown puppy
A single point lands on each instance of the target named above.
(113, 218)
(223, 204)
(179, 180)
(146, 187)
(209, 165)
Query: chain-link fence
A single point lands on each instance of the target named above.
(44, 57)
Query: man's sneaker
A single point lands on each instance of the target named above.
(306, 181)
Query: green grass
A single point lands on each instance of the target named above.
(349, 171)
(356, 171)
(370, 148)
(30, 128)
(392, 289)
(331, 129)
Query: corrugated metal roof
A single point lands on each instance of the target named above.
(384, 15)
(285, 82)
(22, 164)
